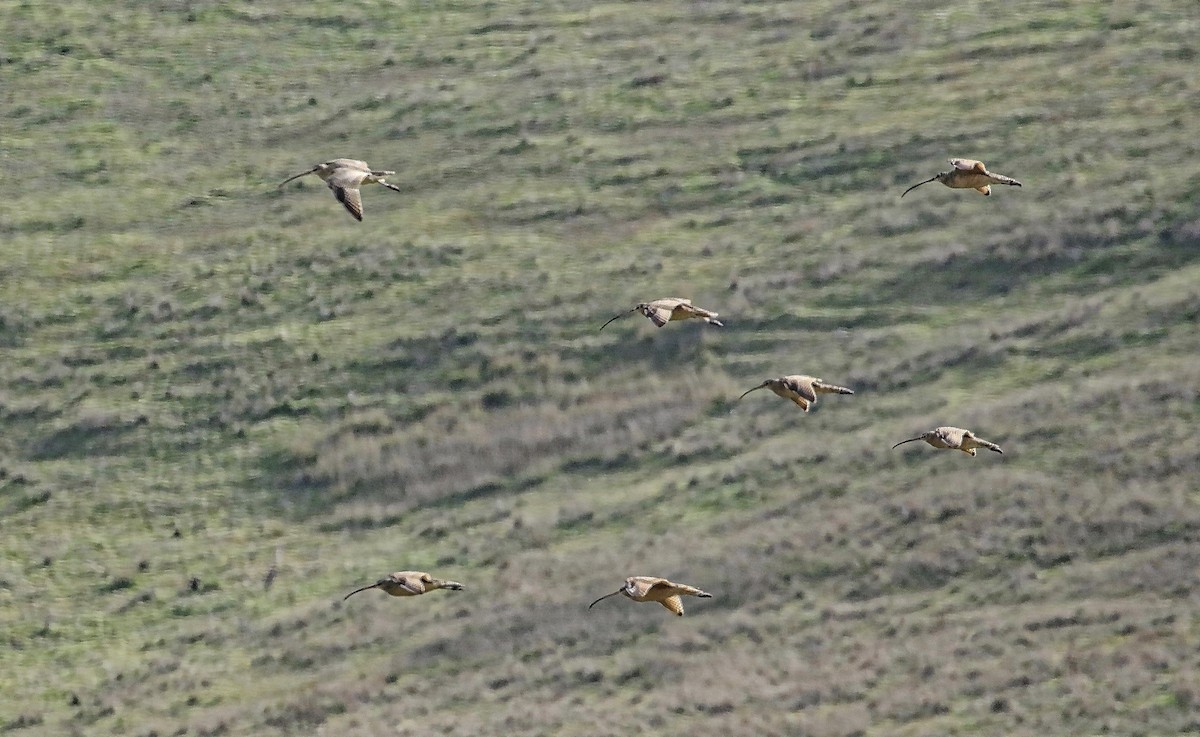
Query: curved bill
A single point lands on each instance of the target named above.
(918, 184)
(356, 591)
(902, 442)
(602, 598)
(623, 314)
(306, 173)
(760, 386)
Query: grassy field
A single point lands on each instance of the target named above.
(206, 378)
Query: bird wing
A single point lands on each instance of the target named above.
(347, 177)
(951, 436)
(644, 585)
(698, 311)
(671, 302)
(799, 400)
(660, 585)
(1001, 179)
(684, 589)
(658, 313)
(802, 385)
(674, 604)
(350, 164)
(971, 441)
(824, 387)
(968, 165)
(409, 581)
(345, 182)
(351, 198)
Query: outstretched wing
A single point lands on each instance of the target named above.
(1001, 179)
(350, 164)
(643, 585)
(968, 165)
(345, 183)
(824, 387)
(351, 198)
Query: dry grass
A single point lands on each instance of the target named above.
(206, 378)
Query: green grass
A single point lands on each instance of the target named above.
(205, 377)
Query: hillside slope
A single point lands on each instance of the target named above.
(207, 378)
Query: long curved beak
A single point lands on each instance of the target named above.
(364, 588)
(602, 598)
(618, 317)
(902, 442)
(302, 174)
(918, 184)
(760, 386)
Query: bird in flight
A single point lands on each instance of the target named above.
(968, 174)
(345, 177)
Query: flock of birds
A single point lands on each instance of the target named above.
(345, 177)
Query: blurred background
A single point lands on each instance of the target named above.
(224, 405)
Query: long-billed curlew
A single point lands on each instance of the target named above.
(662, 311)
(968, 174)
(344, 177)
(801, 389)
(409, 583)
(953, 438)
(652, 588)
